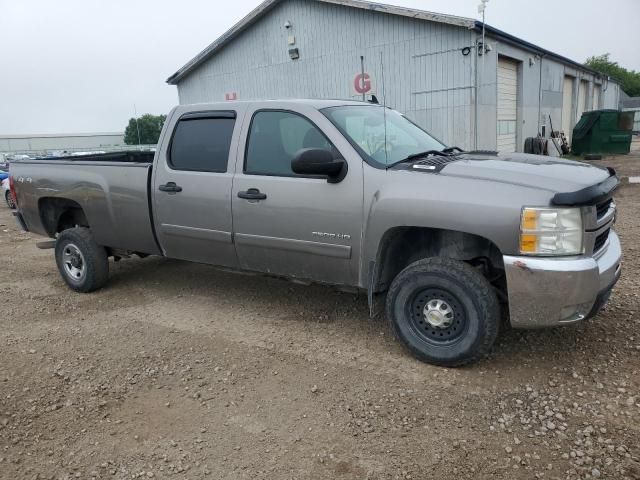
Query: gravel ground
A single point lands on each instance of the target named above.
(177, 370)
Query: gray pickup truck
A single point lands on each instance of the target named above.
(348, 194)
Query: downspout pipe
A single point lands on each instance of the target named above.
(540, 95)
(476, 102)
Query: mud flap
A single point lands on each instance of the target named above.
(370, 287)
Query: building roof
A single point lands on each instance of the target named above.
(317, 103)
(631, 102)
(267, 5)
(508, 38)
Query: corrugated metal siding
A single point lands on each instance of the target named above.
(442, 84)
(611, 95)
(597, 93)
(426, 75)
(567, 106)
(552, 100)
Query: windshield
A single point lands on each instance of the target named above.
(364, 127)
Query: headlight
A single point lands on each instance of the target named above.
(551, 231)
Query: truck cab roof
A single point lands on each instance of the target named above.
(279, 103)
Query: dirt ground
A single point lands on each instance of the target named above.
(177, 370)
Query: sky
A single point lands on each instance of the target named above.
(82, 65)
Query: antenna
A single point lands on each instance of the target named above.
(364, 94)
(481, 9)
(384, 111)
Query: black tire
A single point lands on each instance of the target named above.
(459, 334)
(538, 147)
(9, 199)
(82, 263)
(528, 145)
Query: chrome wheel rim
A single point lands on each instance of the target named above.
(73, 261)
(438, 314)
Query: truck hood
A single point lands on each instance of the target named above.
(546, 173)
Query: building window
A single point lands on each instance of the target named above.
(506, 127)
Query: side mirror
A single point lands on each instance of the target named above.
(316, 161)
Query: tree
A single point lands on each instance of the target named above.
(630, 79)
(150, 127)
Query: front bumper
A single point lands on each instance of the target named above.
(547, 292)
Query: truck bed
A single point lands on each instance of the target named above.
(111, 189)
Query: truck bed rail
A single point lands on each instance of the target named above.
(127, 157)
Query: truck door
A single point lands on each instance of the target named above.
(289, 224)
(192, 185)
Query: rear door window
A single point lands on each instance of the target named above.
(202, 144)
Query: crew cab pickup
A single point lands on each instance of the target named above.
(348, 194)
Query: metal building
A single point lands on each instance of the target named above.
(631, 104)
(432, 67)
(70, 142)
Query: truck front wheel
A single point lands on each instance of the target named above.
(83, 263)
(444, 311)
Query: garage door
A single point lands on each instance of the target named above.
(597, 93)
(582, 99)
(507, 104)
(567, 104)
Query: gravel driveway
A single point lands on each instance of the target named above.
(178, 370)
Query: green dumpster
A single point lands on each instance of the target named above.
(602, 131)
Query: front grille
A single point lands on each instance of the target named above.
(603, 208)
(601, 240)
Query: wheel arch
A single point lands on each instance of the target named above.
(403, 245)
(58, 214)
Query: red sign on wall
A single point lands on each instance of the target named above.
(363, 83)
(230, 96)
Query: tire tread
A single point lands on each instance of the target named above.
(489, 306)
(95, 257)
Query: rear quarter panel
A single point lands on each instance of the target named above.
(114, 197)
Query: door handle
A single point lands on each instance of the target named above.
(170, 187)
(252, 194)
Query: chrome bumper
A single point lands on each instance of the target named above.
(546, 292)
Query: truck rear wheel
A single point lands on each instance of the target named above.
(11, 203)
(83, 263)
(444, 311)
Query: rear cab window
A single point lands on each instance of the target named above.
(201, 142)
